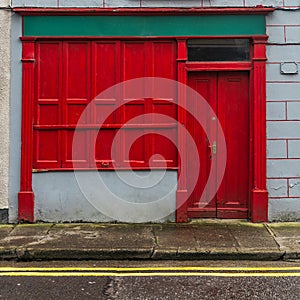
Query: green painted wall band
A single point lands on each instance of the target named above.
(122, 26)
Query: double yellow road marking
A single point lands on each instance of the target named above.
(153, 271)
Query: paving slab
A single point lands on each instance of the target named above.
(287, 236)
(285, 229)
(211, 236)
(93, 241)
(205, 240)
(253, 236)
(5, 230)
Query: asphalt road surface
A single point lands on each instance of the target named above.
(149, 280)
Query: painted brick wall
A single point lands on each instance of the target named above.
(152, 3)
(283, 91)
(283, 113)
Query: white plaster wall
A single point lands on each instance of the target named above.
(5, 21)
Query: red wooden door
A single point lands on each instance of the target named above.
(228, 94)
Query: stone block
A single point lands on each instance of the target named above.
(294, 149)
(276, 111)
(292, 34)
(223, 3)
(5, 3)
(273, 74)
(273, 3)
(292, 3)
(284, 17)
(283, 91)
(294, 187)
(276, 149)
(276, 34)
(277, 187)
(34, 3)
(283, 168)
(122, 3)
(282, 53)
(80, 3)
(174, 3)
(283, 130)
(293, 111)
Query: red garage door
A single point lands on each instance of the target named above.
(70, 74)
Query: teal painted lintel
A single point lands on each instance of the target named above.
(122, 26)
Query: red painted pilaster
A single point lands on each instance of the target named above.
(259, 198)
(181, 194)
(26, 196)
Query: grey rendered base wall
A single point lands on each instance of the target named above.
(284, 210)
(58, 197)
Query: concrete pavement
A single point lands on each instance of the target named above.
(199, 240)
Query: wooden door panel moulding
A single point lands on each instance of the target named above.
(218, 66)
(26, 195)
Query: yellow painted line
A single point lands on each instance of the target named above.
(101, 274)
(124, 269)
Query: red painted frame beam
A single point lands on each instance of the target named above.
(29, 11)
(259, 193)
(26, 195)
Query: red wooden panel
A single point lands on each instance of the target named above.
(106, 64)
(165, 144)
(48, 62)
(233, 112)
(46, 151)
(164, 108)
(77, 70)
(164, 56)
(132, 110)
(105, 151)
(74, 113)
(137, 150)
(80, 154)
(47, 114)
(105, 113)
(134, 60)
(206, 85)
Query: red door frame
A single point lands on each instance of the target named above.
(257, 68)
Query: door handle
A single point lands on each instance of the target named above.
(214, 147)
